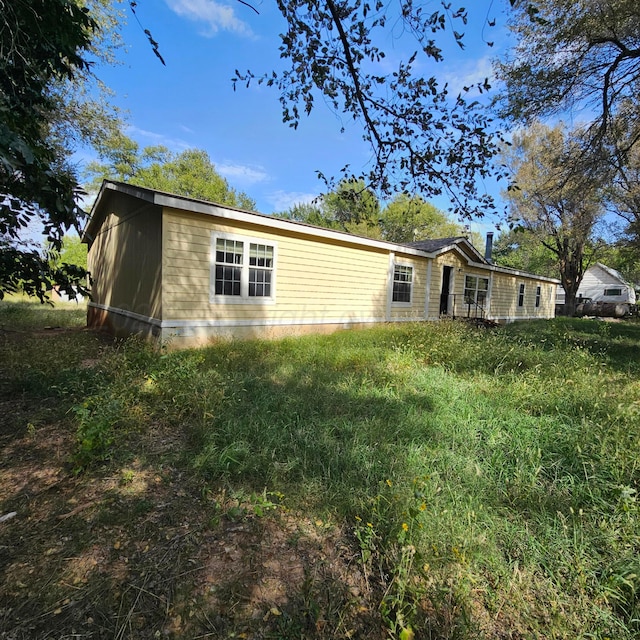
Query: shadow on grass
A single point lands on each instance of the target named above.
(147, 553)
(142, 545)
(330, 420)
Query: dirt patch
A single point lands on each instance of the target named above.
(143, 550)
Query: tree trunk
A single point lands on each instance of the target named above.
(571, 274)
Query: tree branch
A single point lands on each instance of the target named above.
(353, 71)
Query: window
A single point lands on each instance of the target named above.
(243, 269)
(402, 281)
(475, 290)
(228, 267)
(613, 292)
(538, 295)
(521, 295)
(260, 270)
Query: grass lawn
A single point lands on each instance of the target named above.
(424, 480)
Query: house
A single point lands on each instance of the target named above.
(186, 271)
(57, 295)
(602, 284)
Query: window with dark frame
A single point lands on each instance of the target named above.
(538, 295)
(613, 292)
(402, 280)
(521, 295)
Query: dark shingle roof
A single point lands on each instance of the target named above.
(434, 245)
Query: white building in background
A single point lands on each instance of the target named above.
(603, 284)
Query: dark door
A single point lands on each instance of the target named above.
(444, 294)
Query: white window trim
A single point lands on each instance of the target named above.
(522, 291)
(477, 276)
(244, 282)
(413, 277)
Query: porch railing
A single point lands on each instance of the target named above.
(459, 307)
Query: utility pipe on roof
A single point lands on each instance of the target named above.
(488, 250)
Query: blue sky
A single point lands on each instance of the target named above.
(191, 103)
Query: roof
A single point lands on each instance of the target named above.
(612, 272)
(436, 244)
(194, 205)
(440, 245)
(422, 248)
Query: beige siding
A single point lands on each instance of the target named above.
(125, 258)
(504, 298)
(462, 308)
(315, 279)
(414, 310)
(502, 302)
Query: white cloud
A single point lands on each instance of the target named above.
(283, 200)
(243, 174)
(211, 15)
(158, 138)
(469, 74)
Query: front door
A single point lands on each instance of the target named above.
(444, 294)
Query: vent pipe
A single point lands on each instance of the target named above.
(488, 250)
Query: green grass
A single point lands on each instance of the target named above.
(489, 477)
(19, 313)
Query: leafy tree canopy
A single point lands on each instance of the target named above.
(408, 218)
(573, 54)
(189, 173)
(520, 248)
(73, 252)
(422, 138)
(623, 192)
(554, 202)
(43, 43)
(353, 208)
(624, 259)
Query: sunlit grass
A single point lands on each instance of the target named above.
(19, 313)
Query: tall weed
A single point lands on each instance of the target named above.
(489, 477)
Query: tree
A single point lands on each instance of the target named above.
(553, 201)
(573, 55)
(73, 251)
(42, 43)
(355, 209)
(423, 139)
(521, 248)
(408, 218)
(624, 189)
(350, 207)
(623, 258)
(189, 173)
(309, 213)
(83, 113)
